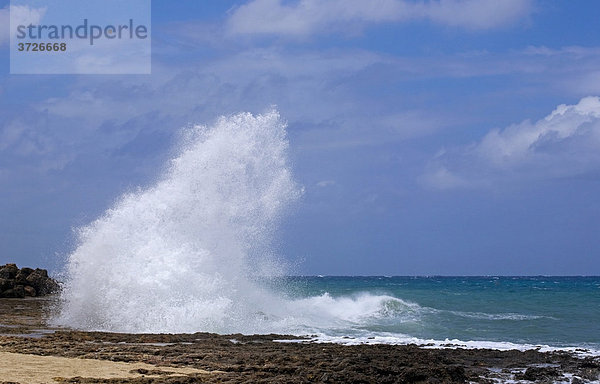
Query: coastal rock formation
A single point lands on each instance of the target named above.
(15, 282)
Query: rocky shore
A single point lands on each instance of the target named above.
(26, 338)
(19, 283)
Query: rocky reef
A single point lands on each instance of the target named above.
(19, 283)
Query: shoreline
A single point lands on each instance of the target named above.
(578, 351)
(261, 358)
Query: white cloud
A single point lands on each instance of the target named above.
(247, 80)
(29, 139)
(517, 143)
(473, 14)
(307, 17)
(569, 70)
(325, 183)
(441, 178)
(564, 143)
(327, 95)
(18, 14)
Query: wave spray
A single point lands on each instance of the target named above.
(183, 254)
(191, 252)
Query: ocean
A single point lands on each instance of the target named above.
(192, 253)
(494, 312)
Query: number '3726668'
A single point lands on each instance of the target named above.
(42, 47)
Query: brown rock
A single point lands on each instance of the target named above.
(39, 280)
(29, 291)
(42, 272)
(16, 292)
(15, 282)
(539, 374)
(8, 271)
(21, 277)
(35, 279)
(6, 284)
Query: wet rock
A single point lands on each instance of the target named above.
(36, 280)
(21, 277)
(30, 291)
(17, 292)
(18, 283)
(539, 374)
(8, 271)
(26, 271)
(6, 284)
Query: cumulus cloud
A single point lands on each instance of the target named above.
(564, 143)
(307, 17)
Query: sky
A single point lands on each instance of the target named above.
(451, 137)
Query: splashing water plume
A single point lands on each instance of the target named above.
(187, 254)
(175, 257)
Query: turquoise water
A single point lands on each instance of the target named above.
(554, 311)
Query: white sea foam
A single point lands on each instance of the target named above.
(497, 316)
(358, 308)
(398, 339)
(347, 315)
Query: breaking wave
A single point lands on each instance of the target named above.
(182, 255)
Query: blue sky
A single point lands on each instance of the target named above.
(439, 137)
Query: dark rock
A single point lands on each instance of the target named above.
(29, 291)
(591, 374)
(42, 283)
(15, 282)
(412, 375)
(42, 272)
(36, 280)
(9, 271)
(39, 280)
(539, 374)
(16, 292)
(6, 284)
(21, 277)
(590, 363)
